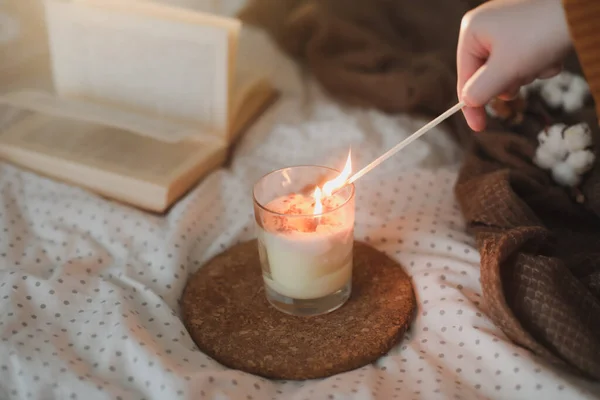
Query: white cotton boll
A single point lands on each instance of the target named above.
(542, 137)
(552, 140)
(564, 151)
(552, 89)
(581, 161)
(556, 130)
(578, 137)
(544, 159)
(565, 90)
(563, 78)
(552, 95)
(563, 81)
(552, 149)
(564, 175)
(573, 101)
(579, 85)
(575, 98)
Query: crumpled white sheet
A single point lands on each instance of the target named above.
(89, 287)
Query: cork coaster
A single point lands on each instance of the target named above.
(226, 313)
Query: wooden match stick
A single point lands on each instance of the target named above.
(432, 124)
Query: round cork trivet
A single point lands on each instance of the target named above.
(229, 318)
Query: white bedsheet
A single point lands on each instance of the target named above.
(89, 288)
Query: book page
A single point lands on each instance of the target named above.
(106, 148)
(142, 57)
(144, 125)
(249, 70)
(22, 34)
(252, 86)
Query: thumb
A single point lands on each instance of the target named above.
(489, 81)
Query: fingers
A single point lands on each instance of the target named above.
(511, 93)
(476, 118)
(493, 79)
(489, 81)
(495, 57)
(468, 64)
(513, 90)
(470, 57)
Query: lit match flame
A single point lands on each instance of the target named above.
(331, 186)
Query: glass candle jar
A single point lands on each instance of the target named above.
(305, 240)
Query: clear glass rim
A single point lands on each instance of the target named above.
(264, 208)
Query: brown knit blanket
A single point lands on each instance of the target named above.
(540, 249)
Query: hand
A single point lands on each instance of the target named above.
(505, 44)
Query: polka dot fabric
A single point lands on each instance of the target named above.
(89, 288)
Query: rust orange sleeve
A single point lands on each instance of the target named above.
(583, 18)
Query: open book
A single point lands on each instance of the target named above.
(148, 99)
(23, 49)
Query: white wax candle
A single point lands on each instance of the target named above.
(308, 257)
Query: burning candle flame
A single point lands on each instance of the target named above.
(330, 186)
(318, 203)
